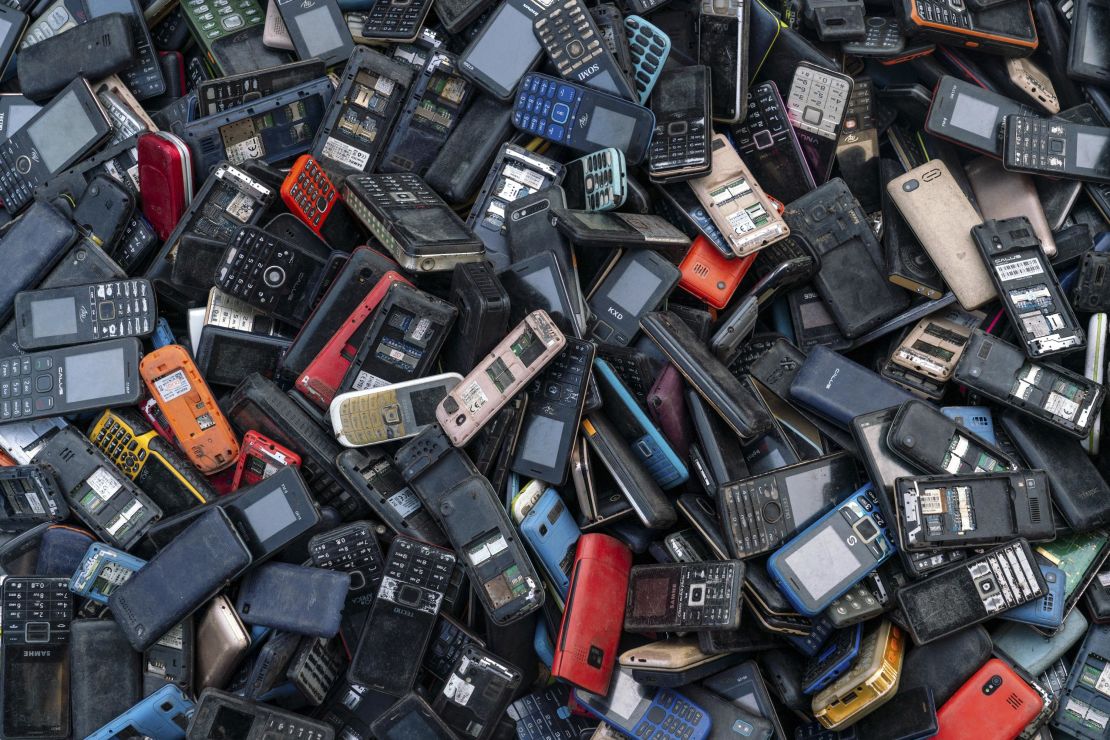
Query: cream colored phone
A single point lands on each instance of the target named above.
(1003, 194)
(736, 203)
(942, 217)
(389, 412)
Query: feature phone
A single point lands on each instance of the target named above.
(1057, 148)
(816, 106)
(768, 144)
(317, 30)
(723, 28)
(684, 597)
(571, 38)
(680, 141)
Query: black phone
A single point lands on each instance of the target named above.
(684, 597)
(1057, 148)
(380, 485)
(970, 115)
(723, 47)
(504, 50)
(66, 129)
(572, 40)
(1087, 52)
(92, 50)
(769, 145)
(680, 101)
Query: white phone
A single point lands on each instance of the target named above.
(1095, 369)
(274, 33)
(388, 413)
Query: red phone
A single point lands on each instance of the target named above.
(308, 192)
(586, 649)
(259, 458)
(320, 380)
(709, 275)
(165, 180)
(994, 704)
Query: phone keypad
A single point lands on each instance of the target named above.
(353, 550)
(766, 123)
(22, 381)
(123, 308)
(117, 442)
(650, 48)
(628, 365)
(881, 34)
(563, 380)
(16, 190)
(37, 610)
(309, 192)
(750, 507)
(394, 18)
(417, 576)
(816, 101)
(671, 716)
(546, 107)
(569, 36)
(56, 20)
(598, 184)
(944, 13)
(214, 19)
(258, 268)
(1038, 143)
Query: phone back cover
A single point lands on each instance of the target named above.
(179, 578)
(308, 601)
(586, 648)
(840, 389)
(42, 236)
(947, 663)
(105, 674)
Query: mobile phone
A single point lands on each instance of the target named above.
(762, 512)
(201, 429)
(150, 460)
(222, 714)
(629, 474)
(93, 50)
(309, 193)
(611, 229)
(1027, 285)
(736, 203)
(82, 314)
(971, 115)
(379, 483)
(160, 714)
(395, 22)
(637, 709)
(391, 412)
(1052, 394)
(684, 597)
(413, 223)
(935, 344)
(934, 443)
(222, 93)
(34, 657)
(816, 105)
(870, 682)
(569, 35)
(29, 496)
(1001, 579)
(1086, 52)
(723, 47)
(411, 717)
(17, 111)
(580, 118)
(233, 43)
(550, 425)
(225, 356)
(504, 50)
(354, 131)
(475, 523)
(710, 276)
(919, 195)
(102, 570)
(768, 145)
(1006, 29)
(995, 697)
(475, 715)
(66, 129)
(317, 30)
(259, 458)
(166, 175)
(413, 585)
(637, 284)
(352, 549)
(833, 553)
(14, 22)
(597, 181)
(1055, 147)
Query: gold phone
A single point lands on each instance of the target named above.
(871, 682)
(666, 655)
(222, 640)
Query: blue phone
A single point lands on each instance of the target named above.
(833, 554)
(102, 571)
(977, 419)
(647, 442)
(164, 714)
(646, 711)
(649, 48)
(550, 530)
(837, 656)
(812, 643)
(1047, 611)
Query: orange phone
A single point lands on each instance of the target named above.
(994, 704)
(307, 191)
(709, 275)
(201, 429)
(1008, 30)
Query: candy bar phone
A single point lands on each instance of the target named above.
(504, 50)
(166, 178)
(84, 313)
(200, 427)
(680, 142)
(317, 29)
(816, 105)
(597, 181)
(389, 413)
(507, 369)
(1057, 148)
(637, 709)
(580, 118)
(394, 22)
(723, 47)
(309, 193)
(768, 144)
(66, 129)
(1006, 29)
(736, 203)
(568, 34)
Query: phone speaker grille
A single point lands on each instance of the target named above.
(1015, 701)
(701, 270)
(211, 147)
(1035, 510)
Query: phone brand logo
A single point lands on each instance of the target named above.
(37, 653)
(851, 539)
(589, 71)
(828, 386)
(931, 175)
(583, 120)
(615, 313)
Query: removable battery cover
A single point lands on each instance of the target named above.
(928, 439)
(1027, 285)
(476, 693)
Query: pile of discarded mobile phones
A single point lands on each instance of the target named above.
(554, 370)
